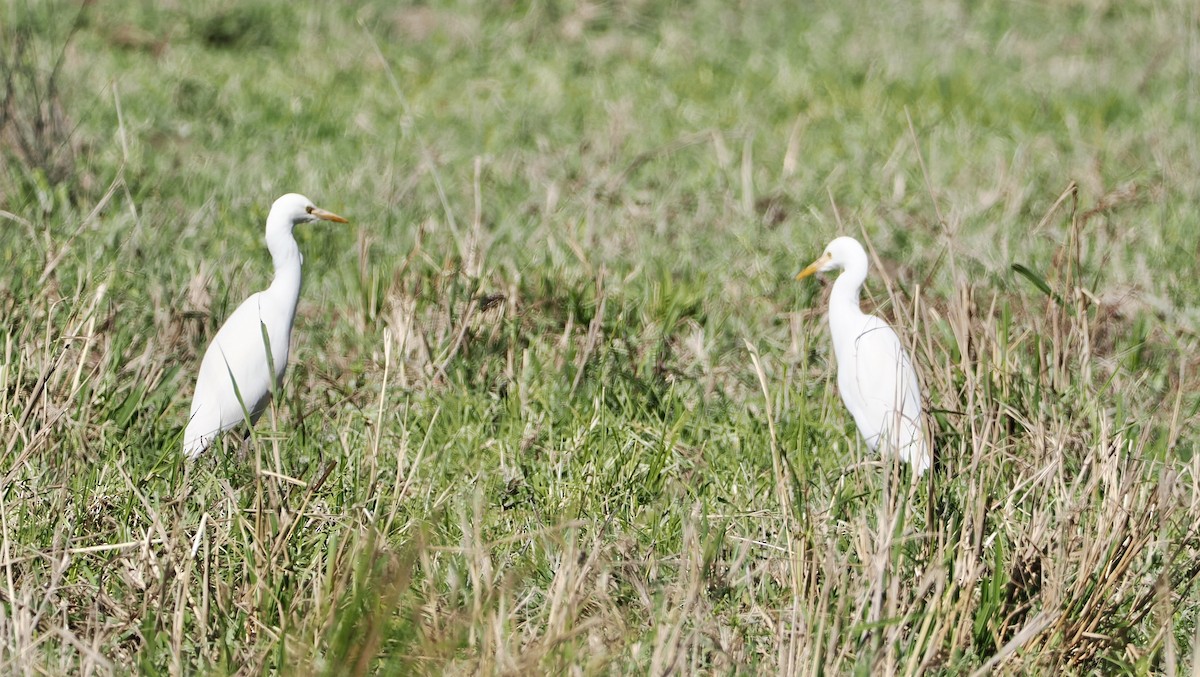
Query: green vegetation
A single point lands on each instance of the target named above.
(555, 403)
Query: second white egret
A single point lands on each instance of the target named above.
(875, 376)
(246, 359)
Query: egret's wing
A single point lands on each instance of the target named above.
(890, 395)
(235, 356)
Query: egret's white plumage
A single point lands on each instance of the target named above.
(240, 360)
(875, 376)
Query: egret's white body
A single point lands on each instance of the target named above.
(240, 361)
(875, 377)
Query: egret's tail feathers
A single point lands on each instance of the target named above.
(918, 457)
(905, 439)
(194, 446)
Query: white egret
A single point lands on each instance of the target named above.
(249, 354)
(875, 376)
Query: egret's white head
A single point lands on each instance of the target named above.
(843, 252)
(294, 208)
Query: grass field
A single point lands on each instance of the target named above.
(555, 403)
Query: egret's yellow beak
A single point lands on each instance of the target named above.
(326, 216)
(814, 266)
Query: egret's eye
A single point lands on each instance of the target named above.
(309, 209)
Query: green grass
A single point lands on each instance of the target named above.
(555, 403)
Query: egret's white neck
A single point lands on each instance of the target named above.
(844, 311)
(846, 289)
(285, 253)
